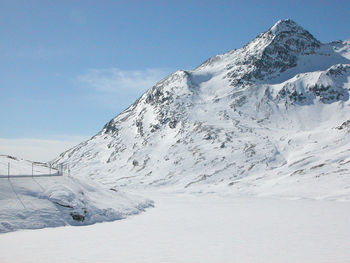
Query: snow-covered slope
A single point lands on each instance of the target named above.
(342, 47)
(269, 118)
(30, 203)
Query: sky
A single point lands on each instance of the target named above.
(68, 67)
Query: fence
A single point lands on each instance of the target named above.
(46, 170)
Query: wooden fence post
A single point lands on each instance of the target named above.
(8, 171)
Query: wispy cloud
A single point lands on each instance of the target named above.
(122, 82)
(38, 149)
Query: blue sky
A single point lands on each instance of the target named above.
(68, 67)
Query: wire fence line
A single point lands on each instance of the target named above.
(37, 170)
(46, 170)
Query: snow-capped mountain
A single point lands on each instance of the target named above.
(269, 118)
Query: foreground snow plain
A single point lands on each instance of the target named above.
(197, 228)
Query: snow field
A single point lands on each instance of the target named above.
(198, 228)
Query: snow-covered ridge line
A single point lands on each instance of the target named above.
(327, 86)
(257, 120)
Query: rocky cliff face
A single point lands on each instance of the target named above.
(260, 119)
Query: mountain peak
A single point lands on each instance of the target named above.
(286, 25)
(271, 53)
(288, 29)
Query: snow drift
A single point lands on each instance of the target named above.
(50, 201)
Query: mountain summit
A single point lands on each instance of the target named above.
(269, 118)
(288, 26)
(285, 36)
